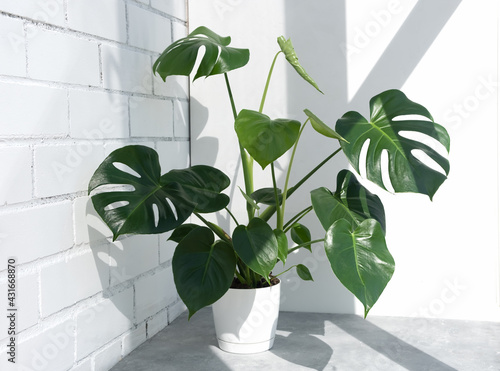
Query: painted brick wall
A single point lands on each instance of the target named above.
(75, 84)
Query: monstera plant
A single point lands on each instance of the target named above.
(132, 196)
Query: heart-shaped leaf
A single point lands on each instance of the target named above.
(300, 235)
(203, 184)
(384, 131)
(265, 140)
(133, 209)
(290, 55)
(257, 246)
(182, 231)
(321, 127)
(282, 245)
(266, 196)
(351, 202)
(304, 273)
(180, 57)
(360, 259)
(203, 270)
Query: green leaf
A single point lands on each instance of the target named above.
(360, 259)
(351, 201)
(406, 172)
(180, 57)
(300, 234)
(132, 209)
(304, 273)
(182, 231)
(249, 200)
(203, 270)
(321, 127)
(266, 196)
(257, 246)
(290, 55)
(282, 245)
(265, 140)
(203, 184)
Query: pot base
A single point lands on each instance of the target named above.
(245, 348)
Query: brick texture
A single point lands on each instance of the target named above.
(76, 83)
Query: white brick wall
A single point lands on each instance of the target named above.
(76, 82)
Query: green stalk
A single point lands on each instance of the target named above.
(304, 244)
(263, 100)
(232, 216)
(279, 215)
(246, 160)
(270, 210)
(285, 189)
(296, 218)
(216, 229)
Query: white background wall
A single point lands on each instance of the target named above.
(442, 55)
(76, 83)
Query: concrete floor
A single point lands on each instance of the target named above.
(339, 342)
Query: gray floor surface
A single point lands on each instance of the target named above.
(334, 342)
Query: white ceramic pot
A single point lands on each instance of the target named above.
(246, 319)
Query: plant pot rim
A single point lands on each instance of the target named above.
(256, 288)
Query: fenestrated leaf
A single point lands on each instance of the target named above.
(363, 203)
(290, 55)
(304, 273)
(265, 140)
(133, 210)
(321, 127)
(282, 245)
(351, 201)
(360, 259)
(180, 57)
(266, 196)
(257, 246)
(182, 231)
(406, 172)
(300, 234)
(203, 270)
(203, 184)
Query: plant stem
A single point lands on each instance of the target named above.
(263, 100)
(216, 229)
(279, 215)
(246, 159)
(270, 210)
(285, 189)
(304, 244)
(296, 218)
(279, 274)
(232, 216)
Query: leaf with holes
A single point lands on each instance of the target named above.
(150, 203)
(180, 57)
(203, 184)
(203, 270)
(384, 131)
(265, 140)
(360, 259)
(351, 201)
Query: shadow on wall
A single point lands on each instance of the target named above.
(320, 42)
